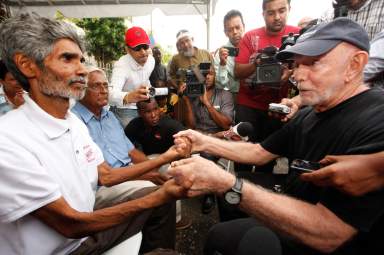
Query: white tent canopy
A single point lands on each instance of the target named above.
(114, 8)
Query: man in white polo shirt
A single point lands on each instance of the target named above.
(130, 75)
(49, 165)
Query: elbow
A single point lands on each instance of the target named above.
(330, 245)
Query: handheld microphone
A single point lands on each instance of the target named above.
(243, 129)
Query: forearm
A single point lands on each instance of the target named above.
(74, 224)
(118, 175)
(188, 113)
(313, 225)
(243, 71)
(220, 119)
(242, 152)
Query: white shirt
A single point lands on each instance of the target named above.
(128, 75)
(42, 159)
(225, 75)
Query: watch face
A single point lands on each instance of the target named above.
(232, 198)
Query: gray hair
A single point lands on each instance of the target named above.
(33, 36)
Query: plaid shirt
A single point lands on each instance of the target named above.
(370, 16)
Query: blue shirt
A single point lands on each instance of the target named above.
(108, 134)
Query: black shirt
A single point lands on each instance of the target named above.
(356, 126)
(153, 140)
(159, 73)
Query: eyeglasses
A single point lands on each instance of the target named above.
(98, 87)
(139, 47)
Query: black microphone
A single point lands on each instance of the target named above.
(243, 129)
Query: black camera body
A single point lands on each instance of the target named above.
(195, 79)
(269, 70)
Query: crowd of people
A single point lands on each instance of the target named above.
(87, 163)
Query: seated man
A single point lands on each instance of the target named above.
(50, 166)
(345, 117)
(152, 131)
(211, 112)
(12, 91)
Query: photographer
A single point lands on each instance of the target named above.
(252, 101)
(211, 112)
(189, 56)
(224, 60)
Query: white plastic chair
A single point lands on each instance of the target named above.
(129, 246)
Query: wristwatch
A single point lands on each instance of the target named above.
(233, 196)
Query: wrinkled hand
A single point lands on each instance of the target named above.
(172, 190)
(176, 152)
(194, 137)
(137, 95)
(155, 177)
(200, 176)
(228, 134)
(350, 174)
(223, 55)
(291, 103)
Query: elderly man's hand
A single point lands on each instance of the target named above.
(194, 137)
(137, 95)
(293, 104)
(351, 174)
(200, 176)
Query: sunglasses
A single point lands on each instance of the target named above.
(139, 47)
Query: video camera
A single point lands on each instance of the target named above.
(269, 70)
(194, 77)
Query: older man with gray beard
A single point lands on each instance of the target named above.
(49, 166)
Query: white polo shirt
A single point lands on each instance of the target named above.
(42, 159)
(128, 75)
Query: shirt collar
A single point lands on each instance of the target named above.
(51, 126)
(85, 114)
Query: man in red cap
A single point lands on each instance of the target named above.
(130, 76)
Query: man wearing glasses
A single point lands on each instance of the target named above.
(130, 75)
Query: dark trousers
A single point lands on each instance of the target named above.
(157, 225)
(250, 237)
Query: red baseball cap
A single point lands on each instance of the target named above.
(136, 36)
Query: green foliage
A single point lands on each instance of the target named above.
(166, 54)
(105, 37)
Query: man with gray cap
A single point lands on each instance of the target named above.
(344, 116)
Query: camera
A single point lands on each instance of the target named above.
(195, 79)
(232, 51)
(269, 70)
(279, 108)
(154, 92)
(304, 166)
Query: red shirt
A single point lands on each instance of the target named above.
(260, 96)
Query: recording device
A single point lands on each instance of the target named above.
(194, 77)
(154, 92)
(340, 8)
(269, 70)
(304, 166)
(243, 129)
(232, 51)
(279, 108)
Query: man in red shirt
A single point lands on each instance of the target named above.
(252, 104)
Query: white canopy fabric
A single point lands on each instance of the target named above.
(111, 8)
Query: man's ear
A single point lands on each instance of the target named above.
(357, 64)
(26, 65)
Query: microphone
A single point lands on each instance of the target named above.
(243, 129)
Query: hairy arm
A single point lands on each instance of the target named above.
(313, 225)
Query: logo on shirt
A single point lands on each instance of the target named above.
(89, 153)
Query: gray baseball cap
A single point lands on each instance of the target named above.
(324, 37)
